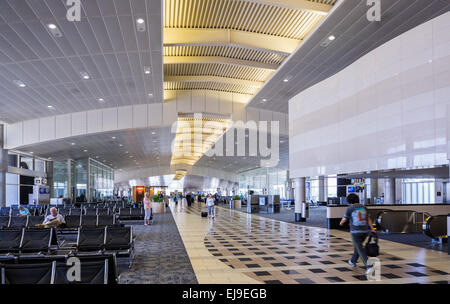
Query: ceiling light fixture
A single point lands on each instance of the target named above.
(331, 38)
(140, 25)
(101, 100)
(19, 83)
(150, 95)
(85, 75)
(147, 70)
(54, 30)
(73, 144)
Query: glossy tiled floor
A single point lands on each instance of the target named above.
(236, 247)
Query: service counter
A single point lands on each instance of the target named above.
(336, 212)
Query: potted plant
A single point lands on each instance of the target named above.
(237, 201)
(157, 204)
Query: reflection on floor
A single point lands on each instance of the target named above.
(241, 248)
(317, 216)
(415, 239)
(160, 255)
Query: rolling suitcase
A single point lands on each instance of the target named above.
(204, 214)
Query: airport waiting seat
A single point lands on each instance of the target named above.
(5, 211)
(119, 239)
(18, 221)
(75, 211)
(105, 220)
(137, 213)
(64, 211)
(33, 220)
(28, 273)
(4, 221)
(88, 221)
(10, 240)
(73, 221)
(103, 211)
(90, 211)
(91, 239)
(36, 240)
(92, 272)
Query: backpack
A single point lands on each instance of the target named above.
(372, 248)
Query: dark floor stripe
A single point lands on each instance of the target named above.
(161, 257)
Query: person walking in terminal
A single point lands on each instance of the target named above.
(360, 226)
(210, 205)
(147, 209)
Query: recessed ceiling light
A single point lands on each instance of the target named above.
(263, 100)
(120, 145)
(147, 70)
(31, 152)
(113, 137)
(150, 95)
(153, 133)
(331, 38)
(140, 25)
(19, 83)
(85, 75)
(73, 144)
(50, 107)
(51, 26)
(101, 100)
(85, 151)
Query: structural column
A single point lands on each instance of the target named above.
(69, 180)
(321, 189)
(300, 197)
(373, 189)
(389, 191)
(3, 169)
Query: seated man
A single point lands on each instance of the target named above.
(54, 219)
(23, 211)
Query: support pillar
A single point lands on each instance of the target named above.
(389, 191)
(321, 189)
(3, 168)
(300, 197)
(69, 180)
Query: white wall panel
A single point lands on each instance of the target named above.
(155, 113)
(140, 113)
(387, 110)
(110, 119)
(125, 117)
(94, 121)
(14, 135)
(79, 123)
(47, 128)
(63, 126)
(30, 131)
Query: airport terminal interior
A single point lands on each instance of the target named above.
(122, 122)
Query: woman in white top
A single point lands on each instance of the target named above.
(147, 209)
(210, 205)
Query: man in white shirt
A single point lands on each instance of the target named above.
(54, 218)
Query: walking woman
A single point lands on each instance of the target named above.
(147, 209)
(210, 204)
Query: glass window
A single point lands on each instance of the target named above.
(12, 160)
(26, 162)
(39, 165)
(12, 189)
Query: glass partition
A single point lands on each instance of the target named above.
(101, 181)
